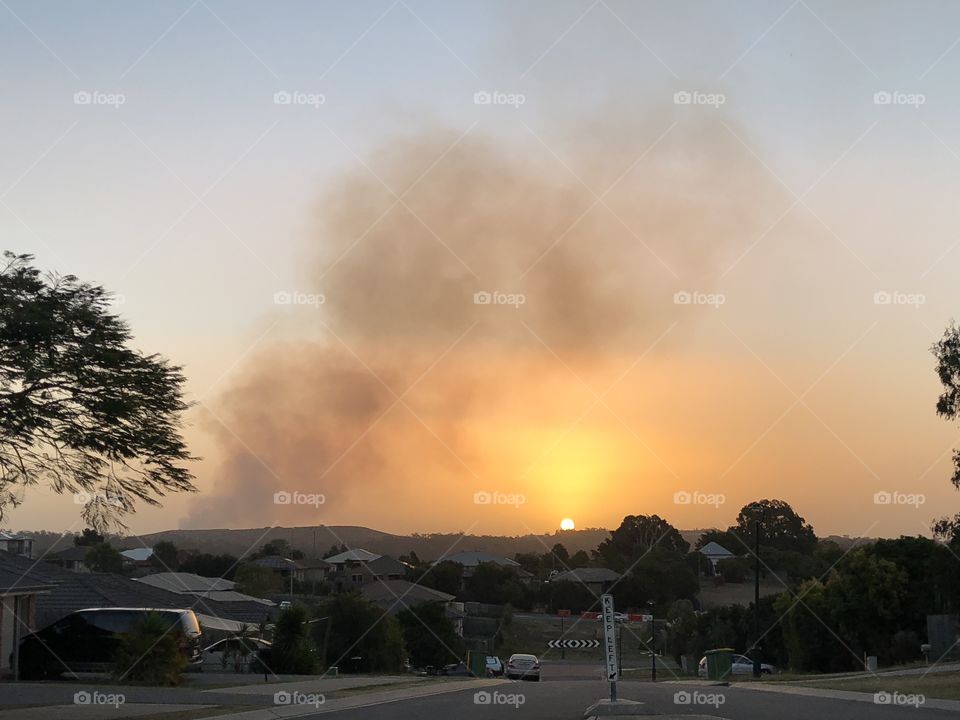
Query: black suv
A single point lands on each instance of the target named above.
(87, 640)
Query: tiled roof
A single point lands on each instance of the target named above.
(74, 553)
(587, 575)
(358, 555)
(277, 563)
(386, 565)
(16, 580)
(186, 582)
(140, 554)
(20, 573)
(715, 550)
(472, 558)
(397, 595)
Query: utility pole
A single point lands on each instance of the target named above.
(758, 514)
(563, 648)
(653, 646)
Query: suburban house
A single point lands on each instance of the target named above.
(197, 586)
(58, 592)
(200, 592)
(472, 559)
(284, 566)
(16, 544)
(73, 558)
(714, 553)
(359, 568)
(138, 558)
(183, 582)
(596, 580)
(395, 596)
(21, 582)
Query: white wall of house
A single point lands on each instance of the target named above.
(7, 628)
(10, 628)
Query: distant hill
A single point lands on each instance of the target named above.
(314, 541)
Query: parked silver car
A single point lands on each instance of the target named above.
(741, 665)
(523, 667)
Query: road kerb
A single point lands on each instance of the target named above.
(361, 700)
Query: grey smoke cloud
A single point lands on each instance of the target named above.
(399, 278)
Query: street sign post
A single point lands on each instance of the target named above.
(610, 644)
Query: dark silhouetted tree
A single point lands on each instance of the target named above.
(80, 410)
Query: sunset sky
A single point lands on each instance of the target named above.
(791, 168)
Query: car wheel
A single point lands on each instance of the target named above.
(764, 671)
(33, 665)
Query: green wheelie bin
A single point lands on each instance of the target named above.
(719, 664)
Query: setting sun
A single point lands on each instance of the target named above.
(567, 524)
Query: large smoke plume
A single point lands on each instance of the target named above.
(401, 247)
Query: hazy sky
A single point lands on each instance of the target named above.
(784, 161)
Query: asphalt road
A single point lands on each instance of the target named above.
(567, 690)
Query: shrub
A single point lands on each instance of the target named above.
(905, 646)
(292, 650)
(150, 653)
(733, 570)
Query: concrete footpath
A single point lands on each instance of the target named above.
(366, 699)
(932, 703)
(302, 696)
